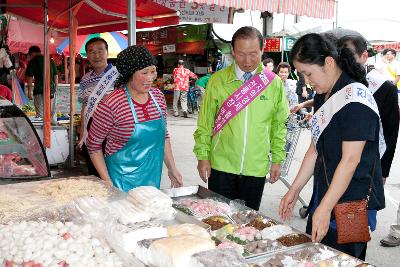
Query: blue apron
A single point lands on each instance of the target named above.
(139, 162)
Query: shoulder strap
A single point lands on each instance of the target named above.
(372, 175)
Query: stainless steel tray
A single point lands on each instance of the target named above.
(264, 258)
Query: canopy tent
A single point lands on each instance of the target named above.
(116, 43)
(22, 34)
(62, 17)
(95, 15)
(324, 9)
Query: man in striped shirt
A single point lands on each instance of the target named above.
(97, 54)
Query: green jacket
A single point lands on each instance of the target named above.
(242, 146)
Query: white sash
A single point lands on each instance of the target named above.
(355, 92)
(103, 87)
(375, 80)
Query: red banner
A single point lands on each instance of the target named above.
(381, 47)
(272, 45)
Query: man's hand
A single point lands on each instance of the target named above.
(275, 172)
(204, 168)
(384, 180)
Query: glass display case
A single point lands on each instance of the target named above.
(22, 154)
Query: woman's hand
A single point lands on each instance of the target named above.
(287, 204)
(176, 177)
(320, 223)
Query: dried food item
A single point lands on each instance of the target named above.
(246, 216)
(244, 235)
(262, 246)
(205, 207)
(231, 245)
(30, 243)
(66, 190)
(260, 223)
(216, 222)
(276, 231)
(182, 208)
(153, 201)
(294, 239)
(176, 251)
(187, 229)
(221, 257)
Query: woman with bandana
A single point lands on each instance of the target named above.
(132, 120)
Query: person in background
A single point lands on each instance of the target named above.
(235, 160)
(303, 90)
(200, 85)
(181, 77)
(269, 63)
(283, 71)
(344, 157)
(389, 66)
(34, 70)
(97, 54)
(132, 120)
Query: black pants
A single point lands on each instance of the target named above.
(358, 250)
(91, 169)
(232, 186)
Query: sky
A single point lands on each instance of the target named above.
(376, 20)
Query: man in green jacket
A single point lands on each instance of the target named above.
(235, 161)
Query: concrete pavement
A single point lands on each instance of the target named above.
(181, 132)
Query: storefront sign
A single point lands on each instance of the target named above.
(169, 48)
(382, 46)
(272, 45)
(195, 12)
(289, 43)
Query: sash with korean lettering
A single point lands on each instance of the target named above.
(241, 98)
(104, 86)
(375, 80)
(355, 92)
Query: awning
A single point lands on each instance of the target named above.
(96, 15)
(323, 9)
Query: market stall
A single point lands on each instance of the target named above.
(81, 221)
(21, 153)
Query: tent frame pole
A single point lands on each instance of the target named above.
(72, 95)
(131, 22)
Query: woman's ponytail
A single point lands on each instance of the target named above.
(348, 64)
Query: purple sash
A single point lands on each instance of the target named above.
(242, 97)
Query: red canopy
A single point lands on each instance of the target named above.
(96, 15)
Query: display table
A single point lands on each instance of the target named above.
(80, 221)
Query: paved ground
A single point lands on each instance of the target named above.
(181, 131)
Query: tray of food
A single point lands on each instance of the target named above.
(48, 198)
(311, 254)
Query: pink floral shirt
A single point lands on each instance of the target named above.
(181, 78)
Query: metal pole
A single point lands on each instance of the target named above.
(71, 99)
(337, 10)
(44, 61)
(131, 22)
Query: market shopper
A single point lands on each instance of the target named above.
(283, 71)
(269, 63)
(344, 153)
(132, 122)
(389, 66)
(181, 77)
(200, 85)
(234, 160)
(94, 86)
(34, 71)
